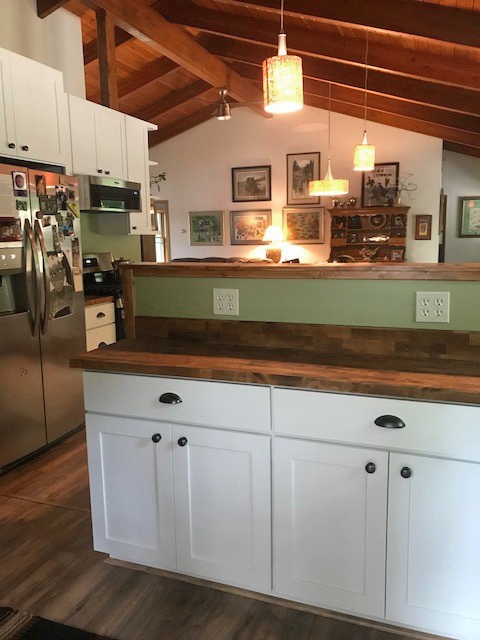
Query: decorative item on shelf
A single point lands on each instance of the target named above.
(158, 179)
(274, 235)
(364, 154)
(405, 185)
(380, 186)
(223, 108)
(329, 186)
(282, 78)
(351, 202)
(302, 168)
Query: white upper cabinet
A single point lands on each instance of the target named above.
(34, 123)
(98, 139)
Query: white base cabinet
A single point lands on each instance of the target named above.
(330, 520)
(198, 500)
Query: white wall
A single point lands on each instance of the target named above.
(461, 178)
(198, 165)
(55, 41)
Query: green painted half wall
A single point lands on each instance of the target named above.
(373, 303)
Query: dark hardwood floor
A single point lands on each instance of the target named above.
(48, 567)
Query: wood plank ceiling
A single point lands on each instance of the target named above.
(424, 71)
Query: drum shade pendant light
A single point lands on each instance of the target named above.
(282, 78)
(223, 108)
(364, 154)
(328, 186)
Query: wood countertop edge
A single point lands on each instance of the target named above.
(400, 384)
(324, 271)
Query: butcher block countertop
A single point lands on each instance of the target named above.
(352, 374)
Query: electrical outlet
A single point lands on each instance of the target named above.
(433, 306)
(225, 302)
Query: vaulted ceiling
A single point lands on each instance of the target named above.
(167, 59)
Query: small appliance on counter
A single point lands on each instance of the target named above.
(102, 278)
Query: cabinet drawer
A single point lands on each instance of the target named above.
(216, 404)
(430, 427)
(98, 335)
(97, 315)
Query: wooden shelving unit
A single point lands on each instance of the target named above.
(370, 234)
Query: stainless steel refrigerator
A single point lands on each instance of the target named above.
(42, 320)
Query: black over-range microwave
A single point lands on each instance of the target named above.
(99, 194)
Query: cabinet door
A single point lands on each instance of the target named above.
(84, 144)
(7, 120)
(131, 489)
(137, 164)
(330, 525)
(41, 111)
(110, 138)
(433, 565)
(222, 505)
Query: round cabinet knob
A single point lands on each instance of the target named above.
(182, 441)
(102, 344)
(134, 227)
(170, 398)
(390, 422)
(11, 145)
(99, 170)
(370, 467)
(406, 472)
(156, 437)
(24, 147)
(107, 172)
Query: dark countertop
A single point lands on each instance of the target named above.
(359, 375)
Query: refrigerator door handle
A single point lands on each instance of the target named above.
(45, 313)
(32, 273)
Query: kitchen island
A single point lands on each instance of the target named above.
(335, 466)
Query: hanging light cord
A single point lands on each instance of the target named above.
(281, 17)
(329, 112)
(366, 80)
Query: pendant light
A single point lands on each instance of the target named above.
(364, 154)
(282, 78)
(328, 186)
(223, 108)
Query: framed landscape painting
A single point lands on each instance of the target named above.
(248, 227)
(206, 228)
(301, 169)
(469, 217)
(251, 183)
(302, 225)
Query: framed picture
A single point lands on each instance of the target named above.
(303, 225)
(423, 227)
(396, 255)
(206, 228)
(469, 217)
(251, 183)
(301, 168)
(248, 227)
(380, 186)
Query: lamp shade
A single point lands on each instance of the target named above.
(329, 186)
(364, 156)
(273, 234)
(282, 81)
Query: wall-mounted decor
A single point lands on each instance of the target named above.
(469, 217)
(423, 227)
(206, 228)
(301, 169)
(380, 186)
(303, 225)
(248, 227)
(251, 183)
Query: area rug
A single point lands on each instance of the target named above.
(15, 625)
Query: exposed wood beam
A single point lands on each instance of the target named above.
(410, 17)
(461, 148)
(107, 61)
(149, 73)
(46, 7)
(446, 97)
(169, 131)
(90, 50)
(393, 57)
(146, 24)
(174, 99)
